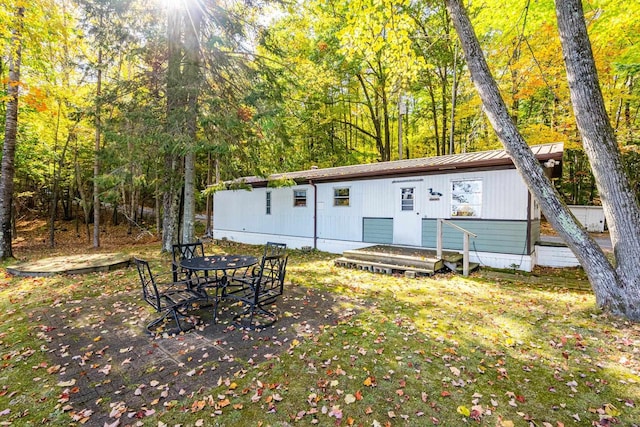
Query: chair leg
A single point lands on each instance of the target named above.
(215, 307)
(151, 326)
(251, 311)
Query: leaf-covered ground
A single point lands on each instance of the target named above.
(349, 348)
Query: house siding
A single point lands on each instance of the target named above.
(374, 213)
(377, 230)
(498, 236)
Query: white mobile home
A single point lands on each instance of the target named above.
(397, 203)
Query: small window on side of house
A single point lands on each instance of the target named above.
(299, 198)
(341, 196)
(268, 203)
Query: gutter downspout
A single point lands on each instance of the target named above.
(315, 214)
(529, 221)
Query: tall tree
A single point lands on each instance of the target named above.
(10, 135)
(192, 81)
(97, 146)
(616, 289)
(172, 160)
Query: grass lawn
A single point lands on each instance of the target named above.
(495, 349)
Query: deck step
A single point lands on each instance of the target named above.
(402, 259)
(423, 262)
(381, 267)
(472, 267)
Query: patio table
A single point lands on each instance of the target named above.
(218, 263)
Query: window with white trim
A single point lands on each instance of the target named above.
(299, 198)
(341, 196)
(466, 198)
(406, 203)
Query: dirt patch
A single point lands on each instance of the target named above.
(32, 239)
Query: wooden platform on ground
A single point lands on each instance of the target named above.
(400, 260)
(71, 264)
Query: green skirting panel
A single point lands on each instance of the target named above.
(377, 230)
(498, 236)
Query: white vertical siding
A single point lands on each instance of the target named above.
(243, 210)
(504, 197)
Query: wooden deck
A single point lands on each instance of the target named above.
(72, 264)
(411, 262)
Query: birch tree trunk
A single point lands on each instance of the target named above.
(10, 136)
(613, 291)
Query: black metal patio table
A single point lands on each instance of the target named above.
(218, 263)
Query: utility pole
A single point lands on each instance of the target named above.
(402, 109)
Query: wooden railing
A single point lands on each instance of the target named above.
(465, 244)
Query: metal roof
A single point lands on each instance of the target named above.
(425, 165)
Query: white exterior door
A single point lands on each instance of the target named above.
(407, 221)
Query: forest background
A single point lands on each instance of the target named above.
(122, 99)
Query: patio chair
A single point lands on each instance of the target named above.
(261, 288)
(184, 251)
(172, 299)
(242, 278)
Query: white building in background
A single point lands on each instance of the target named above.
(396, 203)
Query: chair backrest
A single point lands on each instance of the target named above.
(149, 288)
(272, 249)
(184, 251)
(187, 250)
(273, 269)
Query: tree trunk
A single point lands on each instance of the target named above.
(173, 163)
(10, 136)
(598, 139)
(454, 93)
(434, 113)
(96, 159)
(209, 200)
(609, 286)
(443, 106)
(375, 119)
(158, 205)
(191, 79)
(84, 200)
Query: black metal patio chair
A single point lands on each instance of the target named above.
(242, 278)
(184, 251)
(172, 299)
(260, 288)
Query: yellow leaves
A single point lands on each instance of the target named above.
(463, 410)
(611, 410)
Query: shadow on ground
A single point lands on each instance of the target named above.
(110, 368)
